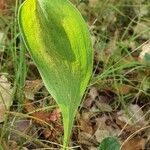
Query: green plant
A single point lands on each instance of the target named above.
(59, 42)
(109, 143)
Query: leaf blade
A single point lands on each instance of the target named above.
(60, 45)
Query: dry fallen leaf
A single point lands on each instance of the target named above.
(93, 93)
(47, 133)
(104, 107)
(55, 115)
(88, 102)
(32, 87)
(86, 138)
(5, 96)
(126, 127)
(42, 116)
(134, 144)
(124, 89)
(22, 125)
(85, 124)
(4, 6)
(137, 116)
(104, 130)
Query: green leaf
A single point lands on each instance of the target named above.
(59, 42)
(109, 143)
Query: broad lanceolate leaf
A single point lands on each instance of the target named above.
(59, 43)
